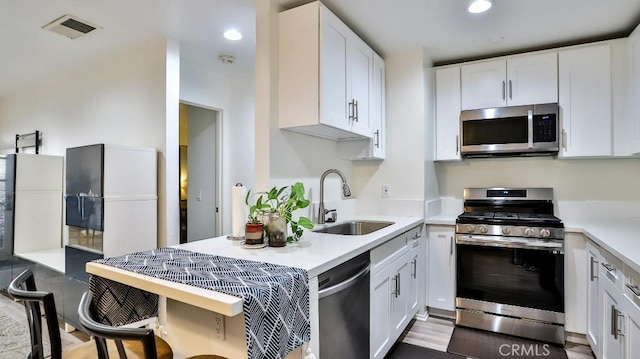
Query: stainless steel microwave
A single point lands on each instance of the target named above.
(517, 130)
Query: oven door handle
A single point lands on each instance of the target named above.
(510, 242)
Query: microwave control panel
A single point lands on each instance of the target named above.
(545, 128)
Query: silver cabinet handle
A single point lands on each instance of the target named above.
(634, 289)
(618, 322)
(616, 314)
(355, 103)
(395, 286)
(503, 90)
(377, 134)
(564, 139)
(594, 274)
(457, 143)
(415, 267)
(351, 110)
(609, 267)
(399, 285)
(510, 90)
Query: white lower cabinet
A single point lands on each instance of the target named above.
(395, 296)
(632, 328)
(593, 298)
(613, 306)
(612, 342)
(416, 275)
(442, 267)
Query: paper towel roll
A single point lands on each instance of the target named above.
(238, 210)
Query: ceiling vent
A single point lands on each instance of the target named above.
(70, 26)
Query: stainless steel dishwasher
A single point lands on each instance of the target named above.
(344, 310)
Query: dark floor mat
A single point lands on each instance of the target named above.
(482, 344)
(409, 351)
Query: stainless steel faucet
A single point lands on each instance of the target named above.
(346, 191)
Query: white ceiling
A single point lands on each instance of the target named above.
(442, 28)
(28, 53)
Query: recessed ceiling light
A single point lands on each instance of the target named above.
(478, 6)
(232, 35)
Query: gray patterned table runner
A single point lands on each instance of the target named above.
(275, 298)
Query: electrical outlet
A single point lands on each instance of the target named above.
(218, 326)
(199, 196)
(386, 190)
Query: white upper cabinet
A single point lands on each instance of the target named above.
(373, 148)
(447, 137)
(361, 60)
(378, 108)
(325, 75)
(335, 77)
(522, 80)
(634, 48)
(585, 101)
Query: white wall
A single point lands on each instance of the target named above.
(118, 99)
(404, 166)
(573, 180)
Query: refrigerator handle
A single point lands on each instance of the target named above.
(81, 204)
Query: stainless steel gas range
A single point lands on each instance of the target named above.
(510, 263)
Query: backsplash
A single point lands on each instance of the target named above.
(612, 179)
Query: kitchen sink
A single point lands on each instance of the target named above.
(354, 228)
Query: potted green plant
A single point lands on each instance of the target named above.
(277, 206)
(254, 228)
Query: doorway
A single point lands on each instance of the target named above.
(199, 172)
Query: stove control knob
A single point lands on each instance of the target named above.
(545, 233)
(528, 232)
(483, 229)
(506, 230)
(470, 228)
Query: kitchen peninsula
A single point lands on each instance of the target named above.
(189, 314)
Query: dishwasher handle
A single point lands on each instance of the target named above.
(344, 284)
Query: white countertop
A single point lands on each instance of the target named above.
(315, 252)
(619, 236)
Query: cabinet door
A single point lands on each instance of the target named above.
(415, 262)
(611, 313)
(593, 299)
(334, 71)
(382, 288)
(632, 329)
(377, 115)
(400, 299)
(360, 76)
(585, 101)
(442, 268)
(532, 79)
(484, 85)
(635, 95)
(447, 114)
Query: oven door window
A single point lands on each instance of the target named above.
(495, 131)
(522, 277)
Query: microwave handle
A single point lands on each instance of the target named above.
(530, 125)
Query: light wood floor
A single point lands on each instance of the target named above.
(435, 333)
